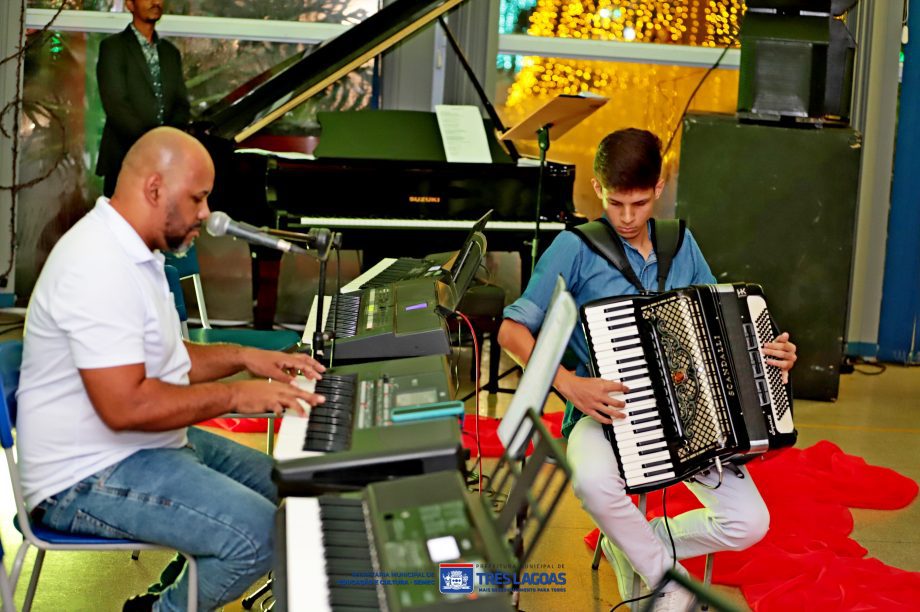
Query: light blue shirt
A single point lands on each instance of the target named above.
(590, 277)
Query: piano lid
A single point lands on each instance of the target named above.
(271, 94)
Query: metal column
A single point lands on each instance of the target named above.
(875, 115)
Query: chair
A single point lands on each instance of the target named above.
(172, 277)
(269, 339)
(483, 305)
(6, 590)
(637, 582)
(43, 538)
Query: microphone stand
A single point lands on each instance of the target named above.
(559, 114)
(543, 142)
(324, 240)
(289, 235)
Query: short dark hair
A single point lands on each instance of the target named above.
(628, 159)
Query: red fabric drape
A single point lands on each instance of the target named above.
(491, 446)
(488, 433)
(248, 425)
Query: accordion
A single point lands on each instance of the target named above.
(699, 389)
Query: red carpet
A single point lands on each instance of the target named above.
(807, 560)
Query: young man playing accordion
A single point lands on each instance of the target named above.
(627, 179)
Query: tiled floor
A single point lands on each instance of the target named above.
(876, 417)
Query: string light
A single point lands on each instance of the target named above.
(686, 22)
(642, 95)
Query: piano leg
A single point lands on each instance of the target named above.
(526, 264)
(266, 268)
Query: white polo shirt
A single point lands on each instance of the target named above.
(101, 301)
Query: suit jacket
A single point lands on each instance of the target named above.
(126, 89)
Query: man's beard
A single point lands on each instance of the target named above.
(178, 246)
(177, 242)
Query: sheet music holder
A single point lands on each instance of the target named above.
(559, 115)
(554, 118)
(528, 505)
(538, 376)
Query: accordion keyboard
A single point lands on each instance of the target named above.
(640, 438)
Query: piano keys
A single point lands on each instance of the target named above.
(333, 549)
(699, 389)
(389, 270)
(403, 319)
(640, 437)
(340, 223)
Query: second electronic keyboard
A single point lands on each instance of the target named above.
(391, 270)
(699, 389)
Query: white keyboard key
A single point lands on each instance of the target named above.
(627, 437)
(291, 437)
(640, 472)
(631, 453)
(636, 482)
(606, 335)
(647, 459)
(306, 562)
(306, 384)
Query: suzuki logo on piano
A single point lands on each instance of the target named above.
(418, 199)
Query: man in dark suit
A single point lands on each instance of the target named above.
(141, 86)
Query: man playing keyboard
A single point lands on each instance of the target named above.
(627, 179)
(109, 390)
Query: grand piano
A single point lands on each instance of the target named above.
(384, 204)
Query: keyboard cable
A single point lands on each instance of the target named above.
(476, 363)
(664, 511)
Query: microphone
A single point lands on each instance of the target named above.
(219, 224)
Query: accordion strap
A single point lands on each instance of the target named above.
(667, 237)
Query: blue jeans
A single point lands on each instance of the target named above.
(213, 499)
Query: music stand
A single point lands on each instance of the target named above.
(556, 117)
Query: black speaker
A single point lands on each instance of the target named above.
(783, 66)
(776, 205)
(796, 61)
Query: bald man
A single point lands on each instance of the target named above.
(109, 390)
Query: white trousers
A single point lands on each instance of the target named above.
(734, 515)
